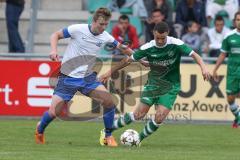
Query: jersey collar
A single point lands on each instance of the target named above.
(89, 27)
(163, 45)
(238, 33)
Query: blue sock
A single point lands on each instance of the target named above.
(108, 118)
(46, 119)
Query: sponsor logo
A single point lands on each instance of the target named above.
(99, 43)
(39, 91)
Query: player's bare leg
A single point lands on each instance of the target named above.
(48, 116)
(101, 95)
(234, 109)
(153, 124)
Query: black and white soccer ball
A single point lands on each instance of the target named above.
(130, 137)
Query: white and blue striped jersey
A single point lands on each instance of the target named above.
(80, 55)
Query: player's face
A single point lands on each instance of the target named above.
(100, 25)
(237, 22)
(160, 38)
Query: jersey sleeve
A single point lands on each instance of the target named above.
(225, 46)
(111, 40)
(185, 50)
(71, 31)
(143, 50)
(139, 54)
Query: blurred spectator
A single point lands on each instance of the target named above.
(137, 6)
(163, 5)
(214, 6)
(192, 37)
(216, 36)
(125, 33)
(14, 8)
(202, 32)
(190, 10)
(156, 17)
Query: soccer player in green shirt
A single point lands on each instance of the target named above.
(231, 47)
(163, 55)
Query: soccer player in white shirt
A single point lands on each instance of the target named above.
(77, 74)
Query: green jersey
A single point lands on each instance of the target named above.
(221, 2)
(231, 46)
(164, 62)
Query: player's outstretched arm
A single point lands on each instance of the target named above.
(123, 63)
(199, 61)
(218, 63)
(125, 49)
(54, 41)
(128, 51)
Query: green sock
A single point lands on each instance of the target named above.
(123, 120)
(235, 109)
(150, 127)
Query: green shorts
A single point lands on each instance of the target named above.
(152, 96)
(233, 85)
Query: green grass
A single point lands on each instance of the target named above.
(79, 140)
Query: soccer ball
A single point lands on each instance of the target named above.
(130, 137)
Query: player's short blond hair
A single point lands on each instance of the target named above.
(102, 12)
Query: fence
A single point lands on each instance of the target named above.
(27, 82)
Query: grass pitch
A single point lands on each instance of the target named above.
(79, 140)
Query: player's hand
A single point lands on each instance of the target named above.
(124, 49)
(215, 76)
(206, 75)
(104, 78)
(54, 56)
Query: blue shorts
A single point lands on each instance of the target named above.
(68, 86)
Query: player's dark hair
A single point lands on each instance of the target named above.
(123, 17)
(236, 14)
(161, 27)
(102, 12)
(218, 18)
